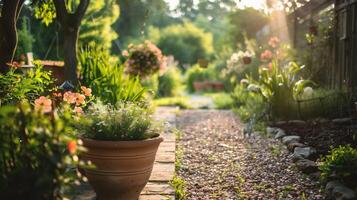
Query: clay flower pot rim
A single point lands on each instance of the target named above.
(121, 144)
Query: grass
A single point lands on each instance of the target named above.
(177, 182)
(182, 102)
(221, 100)
(179, 186)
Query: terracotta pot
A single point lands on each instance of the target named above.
(203, 63)
(199, 86)
(218, 86)
(122, 167)
(247, 60)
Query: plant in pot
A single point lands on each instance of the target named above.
(121, 142)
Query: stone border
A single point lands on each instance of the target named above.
(302, 154)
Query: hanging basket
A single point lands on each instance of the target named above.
(203, 63)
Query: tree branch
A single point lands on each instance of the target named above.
(81, 10)
(19, 8)
(61, 10)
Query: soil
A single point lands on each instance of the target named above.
(324, 136)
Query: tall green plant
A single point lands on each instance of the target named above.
(16, 86)
(279, 86)
(108, 81)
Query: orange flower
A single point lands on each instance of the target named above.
(57, 94)
(78, 110)
(43, 104)
(79, 98)
(69, 97)
(72, 147)
(86, 91)
(270, 66)
(274, 42)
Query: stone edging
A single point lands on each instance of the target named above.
(302, 154)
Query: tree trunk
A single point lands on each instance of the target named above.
(70, 23)
(70, 53)
(8, 32)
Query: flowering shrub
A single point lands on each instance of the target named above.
(37, 152)
(75, 101)
(126, 121)
(16, 86)
(108, 81)
(144, 59)
(237, 63)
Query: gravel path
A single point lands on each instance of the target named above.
(218, 163)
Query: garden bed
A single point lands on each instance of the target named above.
(323, 135)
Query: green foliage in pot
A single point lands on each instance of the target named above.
(126, 121)
(108, 81)
(37, 153)
(197, 74)
(340, 164)
(16, 85)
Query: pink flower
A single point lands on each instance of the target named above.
(69, 97)
(266, 55)
(79, 98)
(78, 110)
(274, 42)
(86, 91)
(43, 104)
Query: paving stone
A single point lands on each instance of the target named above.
(158, 188)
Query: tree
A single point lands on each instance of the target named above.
(96, 25)
(187, 43)
(70, 23)
(137, 15)
(10, 10)
(247, 22)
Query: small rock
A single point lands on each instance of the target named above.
(342, 121)
(323, 121)
(336, 190)
(271, 130)
(281, 123)
(306, 166)
(280, 134)
(304, 152)
(297, 123)
(292, 145)
(289, 139)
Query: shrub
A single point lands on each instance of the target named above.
(198, 74)
(37, 152)
(126, 121)
(187, 43)
(144, 60)
(221, 100)
(169, 83)
(340, 164)
(108, 81)
(16, 86)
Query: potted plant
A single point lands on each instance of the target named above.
(121, 142)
